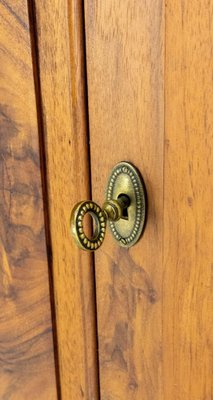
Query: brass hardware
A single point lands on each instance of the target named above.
(124, 208)
(77, 229)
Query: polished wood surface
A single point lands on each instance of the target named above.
(125, 56)
(27, 369)
(149, 76)
(62, 81)
(154, 315)
(188, 191)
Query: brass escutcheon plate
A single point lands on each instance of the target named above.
(125, 179)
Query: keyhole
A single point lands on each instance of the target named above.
(125, 213)
(125, 200)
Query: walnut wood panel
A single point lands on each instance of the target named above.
(27, 368)
(125, 54)
(188, 227)
(61, 62)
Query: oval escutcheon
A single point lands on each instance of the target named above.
(126, 180)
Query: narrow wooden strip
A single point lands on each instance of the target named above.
(125, 58)
(62, 80)
(27, 369)
(188, 223)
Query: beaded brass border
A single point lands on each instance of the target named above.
(78, 214)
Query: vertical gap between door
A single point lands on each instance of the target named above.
(37, 85)
(90, 184)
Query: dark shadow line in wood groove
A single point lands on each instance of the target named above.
(90, 181)
(36, 74)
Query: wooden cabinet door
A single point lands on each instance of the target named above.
(27, 366)
(87, 84)
(149, 72)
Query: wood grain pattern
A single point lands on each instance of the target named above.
(125, 55)
(27, 368)
(61, 61)
(188, 189)
(155, 344)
